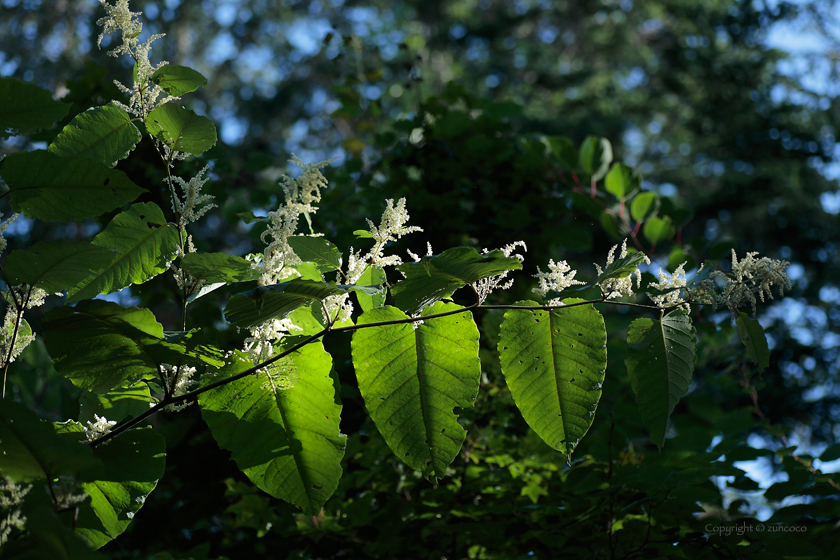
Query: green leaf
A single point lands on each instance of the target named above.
(27, 108)
(372, 276)
(181, 129)
(178, 80)
(145, 244)
(753, 337)
(255, 307)
(622, 180)
(286, 441)
(133, 463)
(104, 134)
(219, 267)
(831, 453)
(100, 345)
(56, 265)
(33, 450)
(46, 186)
(250, 218)
(317, 250)
(563, 149)
(596, 156)
(435, 278)
(621, 267)
(645, 205)
(115, 405)
(363, 234)
(554, 364)
(412, 380)
(658, 229)
(660, 362)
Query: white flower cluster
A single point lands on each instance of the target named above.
(11, 497)
(64, 492)
(673, 282)
(260, 345)
(179, 380)
(3, 227)
(17, 296)
(143, 95)
(486, 286)
(612, 288)
(98, 428)
(559, 277)
(191, 209)
(301, 194)
(753, 277)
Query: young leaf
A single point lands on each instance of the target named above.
(554, 364)
(596, 156)
(254, 307)
(658, 229)
(27, 108)
(132, 465)
(372, 276)
(660, 361)
(56, 265)
(145, 244)
(412, 380)
(645, 205)
(178, 80)
(219, 267)
(621, 267)
(286, 441)
(250, 218)
(100, 345)
(317, 250)
(753, 337)
(104, 134)
(435, 278)
(52, 188)
(181, 129)
(33, 450)
(622, 180)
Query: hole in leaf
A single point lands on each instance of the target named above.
(107, 180)
(572, 380)
(316, 486)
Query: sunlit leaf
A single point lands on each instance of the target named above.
(181, 129)
(104, 134)
(56, 265)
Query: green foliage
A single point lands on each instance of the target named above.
(181, 129)
(104, 134)
(27, 108)
(554, 363)
(413, 378)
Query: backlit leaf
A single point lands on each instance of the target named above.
(181, 129)
(104, 134)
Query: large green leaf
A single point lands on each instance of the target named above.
(286, 441)
(56, 265)
(412, 379)
(554, 364)
(46, 186)
(26, 107)
(132, 465)
(145, 244)
(182, 129)
(753, 337)
(33, 450)
(219, 267)
(435, 278)
(263, 303)
(178, 80)
(117, 404)
(317, 250)
(100, 345)
(660, 361)
(104, 134)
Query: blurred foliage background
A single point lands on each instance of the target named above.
(728, 108)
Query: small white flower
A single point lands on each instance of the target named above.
(753, 277)
(486, 286)
(179, 380)
(3, 227)
(559, 277)
(612, 288)
(191, 209)
(98, 428)
(674, 283)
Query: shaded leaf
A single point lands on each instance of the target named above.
(104, 134)
(554, 364)
(286, 441)
(316, 250)
(621, 267)
(753, 337)
(117, 404)
(46, 186)
(412, 380)
(645, 205)
(596, 156)
(660, 362)
(658, 229)
(254, 307)
(27, 108)
(435, 278)
(145, 244)
(56, 265)
(219, 267)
